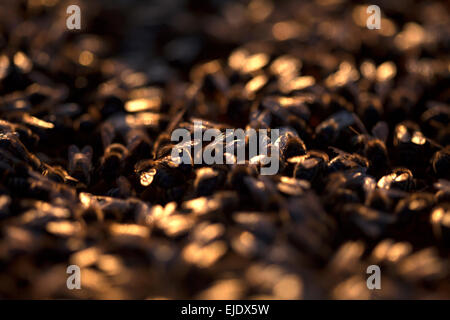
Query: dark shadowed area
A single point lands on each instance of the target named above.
(87, 178)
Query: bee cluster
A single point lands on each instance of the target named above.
(87, 178)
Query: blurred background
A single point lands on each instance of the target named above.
(163, 47)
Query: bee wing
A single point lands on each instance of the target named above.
(72, 151)
(381, 131)
(87, 151)
(360, 124)
(339, 151)
(343, 118)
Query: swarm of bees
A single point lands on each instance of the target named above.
(87, 177)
